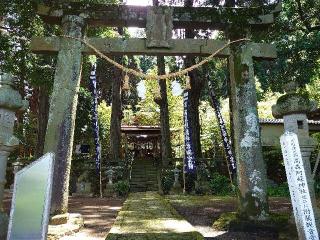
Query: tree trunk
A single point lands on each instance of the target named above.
(116, 114)
(43, 113)
(194, 96)
(166, 151)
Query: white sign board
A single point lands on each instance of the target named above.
(298, 186)
(30, 208)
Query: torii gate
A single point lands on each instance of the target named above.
(159, 22)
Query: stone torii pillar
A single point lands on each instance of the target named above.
(63, 106)
(247, 140)
(10, 102)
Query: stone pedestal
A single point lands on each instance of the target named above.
(10, 101)
(109, 191)
(83, 190)
(17, 166)
(293, 108)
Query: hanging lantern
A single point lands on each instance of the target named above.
(126, 86)
(188, 84)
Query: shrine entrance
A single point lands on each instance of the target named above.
(142, 147)
(159, 21)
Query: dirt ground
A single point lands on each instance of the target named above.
(100, 214)
(202, 216)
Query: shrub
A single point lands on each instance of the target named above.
(167, 180)
(121, 188)
(220, 185)
(282, 190)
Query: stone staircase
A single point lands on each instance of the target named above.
(144, 176)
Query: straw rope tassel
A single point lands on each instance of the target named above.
(126, 86)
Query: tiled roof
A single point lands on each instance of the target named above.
(280, 121)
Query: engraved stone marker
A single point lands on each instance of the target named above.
(159, 27)
(298, 186)
(29, 217)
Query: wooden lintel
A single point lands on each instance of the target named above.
(137, 46)
(183, 17)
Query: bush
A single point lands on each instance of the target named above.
(167, 180)
(202, 188)
(282, 190)
(121, 188)
(220, 185)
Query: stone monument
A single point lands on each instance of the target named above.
(299, 189)
(10, 102)
(30, 208)
(159, 27)
(109, 191)
(293, 108)
(83, 187)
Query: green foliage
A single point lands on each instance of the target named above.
(281, 190)
(104, 117)
(298, 48)
(220, 185)
(167, 180)
(122, 188)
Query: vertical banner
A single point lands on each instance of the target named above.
(93, 85)
(189, 157)
(224, 134)
(298, 186)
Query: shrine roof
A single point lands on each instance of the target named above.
(135, 129)
(314, 115)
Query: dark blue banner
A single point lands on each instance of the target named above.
(224, 134)
(93, 85)
(189, 157)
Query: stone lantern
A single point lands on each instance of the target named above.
(109, 191)
(10, 102)
(293, 108)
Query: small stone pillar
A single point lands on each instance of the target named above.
(109, 191)
(176, 185)
(110, 173)
(10, 102)
(293, 108)
(62, 112)
(17, 166)
(251, 170)
(176, 173)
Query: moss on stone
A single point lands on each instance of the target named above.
(253, 207)
(235, 222)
